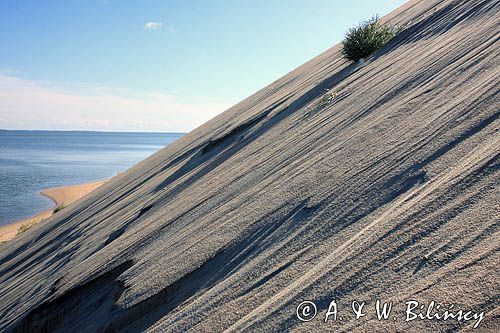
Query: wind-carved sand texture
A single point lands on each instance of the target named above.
(385, 189)
(62, 197)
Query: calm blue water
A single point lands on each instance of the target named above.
(33, 160)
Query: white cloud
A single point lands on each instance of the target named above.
(26, 104)
(152, 26)
(9, 71)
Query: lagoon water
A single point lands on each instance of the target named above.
(33, 160)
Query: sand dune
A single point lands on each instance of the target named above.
(388, 191)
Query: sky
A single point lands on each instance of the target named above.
(155, 65)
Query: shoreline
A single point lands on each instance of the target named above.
(61, 196)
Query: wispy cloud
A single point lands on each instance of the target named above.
(152, 26)
(26, 104)
(9, 71)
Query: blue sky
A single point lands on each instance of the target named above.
(160, 65)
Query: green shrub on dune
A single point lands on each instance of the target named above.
(366, 38)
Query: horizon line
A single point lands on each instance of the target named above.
(88, 131)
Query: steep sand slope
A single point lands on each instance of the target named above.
(389, 191)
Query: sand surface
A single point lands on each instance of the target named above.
(66, 195)
(389, 191)
(62, 197)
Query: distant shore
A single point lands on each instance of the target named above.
(62, 197)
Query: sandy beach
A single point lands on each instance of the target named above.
(62, 197)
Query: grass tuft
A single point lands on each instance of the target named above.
(23, 228)
(59, 208)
